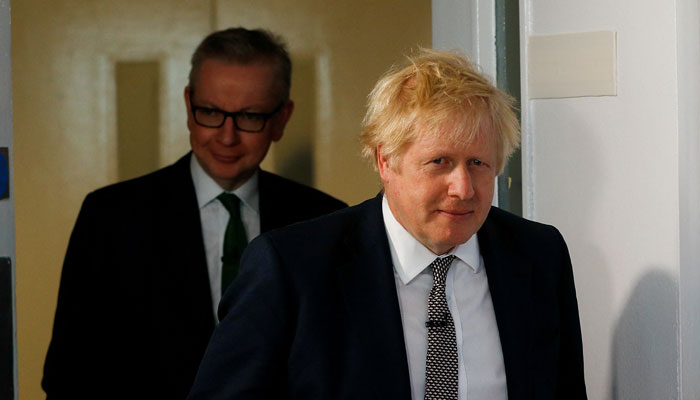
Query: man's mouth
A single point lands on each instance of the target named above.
(226, 158)
(457, 212)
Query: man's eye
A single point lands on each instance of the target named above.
(438, 161)
(477, 162)
(209, 111)
(253, 117)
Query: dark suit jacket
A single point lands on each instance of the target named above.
(134, 310)
(315, 315)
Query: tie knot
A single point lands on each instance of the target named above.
(231, 202)
(440, 267)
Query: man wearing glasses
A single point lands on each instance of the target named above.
(149, 258)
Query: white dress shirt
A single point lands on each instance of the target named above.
(481, 368)
(214, 218)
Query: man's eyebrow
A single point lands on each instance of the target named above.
(252, 109)
(204, 103)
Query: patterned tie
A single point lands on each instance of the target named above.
(441, 364)
(235, 240)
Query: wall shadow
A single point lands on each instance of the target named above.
(645, 343)
(571, 192)
(293, 156)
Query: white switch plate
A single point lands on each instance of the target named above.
(572, 65)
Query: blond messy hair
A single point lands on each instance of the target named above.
(437, 93)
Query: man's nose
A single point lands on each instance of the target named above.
(460, 183)
(228, 134)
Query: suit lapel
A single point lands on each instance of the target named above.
(266, 195)
(510, 283)
(369, 292)
(181, 229)
(277, 208)
(178, 281)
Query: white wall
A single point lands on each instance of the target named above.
(688, 53)
(468, 26)
(7, 217)
(619, 176)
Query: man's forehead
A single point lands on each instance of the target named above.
(457, 129)
(234, 68)
(448, 142)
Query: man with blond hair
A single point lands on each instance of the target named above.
(424, 292)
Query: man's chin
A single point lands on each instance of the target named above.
(230, 180)
(457, 238)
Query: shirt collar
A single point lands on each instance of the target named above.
(207, 189)
(410, 257)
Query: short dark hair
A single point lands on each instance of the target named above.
(245, 46)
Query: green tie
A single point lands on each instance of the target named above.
(235, 240)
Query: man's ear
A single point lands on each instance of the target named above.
(187, 96)
(382, 164)
(280, 122)
(187, 104)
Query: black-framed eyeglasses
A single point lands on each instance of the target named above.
(245, 121)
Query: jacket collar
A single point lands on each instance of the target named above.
(366, 277)
(509, 275)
